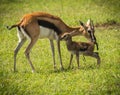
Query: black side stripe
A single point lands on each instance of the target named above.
(49, 25)
(19, 28)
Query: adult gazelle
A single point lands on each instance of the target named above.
(44, 25)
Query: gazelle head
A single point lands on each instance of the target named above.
(87, 30)
(91, 30)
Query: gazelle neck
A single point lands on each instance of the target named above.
(70, 29)
(69, 43)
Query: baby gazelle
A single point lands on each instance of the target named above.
(85, 48)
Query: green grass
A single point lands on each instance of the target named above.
(88, 80)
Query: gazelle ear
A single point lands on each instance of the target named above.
(81, 23)
(92, 24)
(88, 22)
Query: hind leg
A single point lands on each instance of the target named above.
(95, 55)
(98, 58)
(22, 39)
(16, 51)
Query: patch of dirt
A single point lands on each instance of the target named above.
(108, 24)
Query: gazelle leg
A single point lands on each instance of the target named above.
(95, 55)
(59, 53)
(27, 52)
(16, 51)
(53, 52)
(77, 58)
(70, 61)
(98, 58)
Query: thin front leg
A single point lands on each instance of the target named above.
(59, 53)
(53, 52)
(20, 44)
(70, 60)
(77, 58)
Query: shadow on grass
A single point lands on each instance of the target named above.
(86, 68)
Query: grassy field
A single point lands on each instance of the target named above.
(88, 80)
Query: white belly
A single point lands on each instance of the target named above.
(47, 33)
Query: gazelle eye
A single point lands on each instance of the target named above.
(64, 36)
(89, 31)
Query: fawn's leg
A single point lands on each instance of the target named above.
(95, 55)
(70, 60)
(77, 58)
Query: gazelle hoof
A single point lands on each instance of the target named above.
(33, 71)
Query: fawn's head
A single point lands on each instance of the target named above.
(66, 36)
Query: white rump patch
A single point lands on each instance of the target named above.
(22, 34)
(25, 34)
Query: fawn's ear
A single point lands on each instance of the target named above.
(73, 32)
